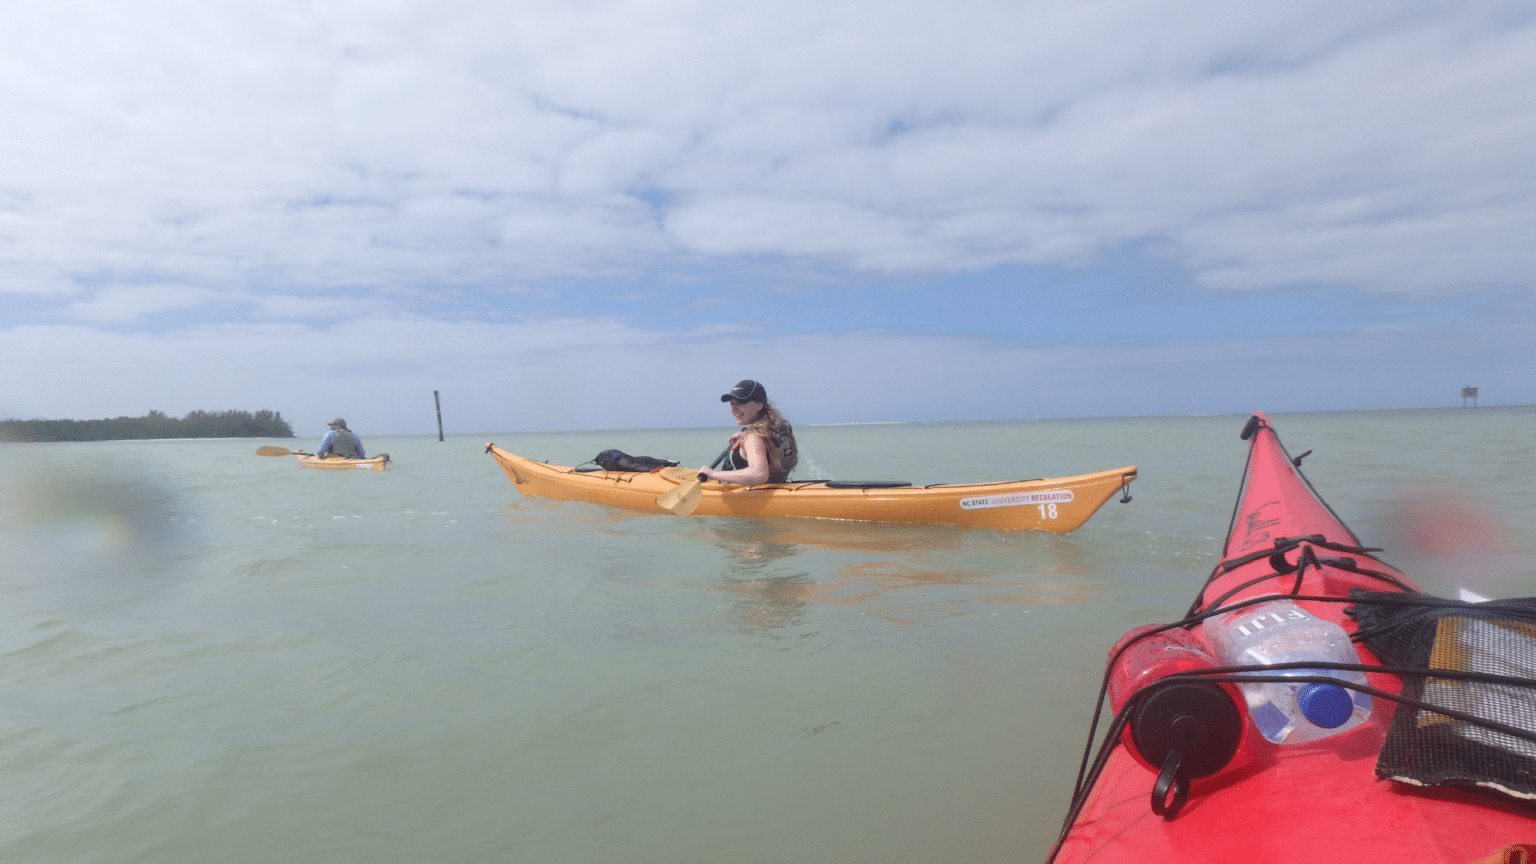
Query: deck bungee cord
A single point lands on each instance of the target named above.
(1297, 569)
(1428, 607)
(1302, 656)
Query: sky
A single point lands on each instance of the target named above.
(581, 214)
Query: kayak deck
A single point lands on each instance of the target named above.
(334, 463)
(1317, 802)
(1058, 505)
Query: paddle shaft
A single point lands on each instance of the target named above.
(718, 459)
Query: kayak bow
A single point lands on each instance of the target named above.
(1183, 774)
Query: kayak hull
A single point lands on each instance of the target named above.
(1312, 803)
(1052, 504)
(337, 463)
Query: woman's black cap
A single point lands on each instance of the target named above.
(746, 390)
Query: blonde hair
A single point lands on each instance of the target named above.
(770, 424)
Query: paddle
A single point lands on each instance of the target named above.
(682, 498)
(270, 450)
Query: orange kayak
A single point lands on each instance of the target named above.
(1058, 504)
(377, 463)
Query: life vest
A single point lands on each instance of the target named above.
(784, 442)
(344, 444)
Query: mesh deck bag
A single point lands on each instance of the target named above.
(1488, 654)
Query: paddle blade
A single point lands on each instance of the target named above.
(682, 498)
(690, 500)
(273, 451)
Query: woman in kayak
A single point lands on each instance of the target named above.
(764, 450)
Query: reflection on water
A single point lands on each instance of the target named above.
(764, 598)
(899, 584)
(783, 535)
(768, 603)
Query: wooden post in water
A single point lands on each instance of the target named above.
(1468, 393)
(439, 415)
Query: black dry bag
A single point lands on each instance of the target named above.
(618, 460)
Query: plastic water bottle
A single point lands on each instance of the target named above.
(1279, 631)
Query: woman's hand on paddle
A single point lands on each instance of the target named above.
(709, 472)
(756, 451)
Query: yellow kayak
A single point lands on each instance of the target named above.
(377, 463)
(1058, 504)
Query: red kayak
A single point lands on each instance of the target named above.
(1372, 759)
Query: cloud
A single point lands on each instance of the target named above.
(974, 209)
(134, 302)
(299, 148)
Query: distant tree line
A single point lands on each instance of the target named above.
(155, 424)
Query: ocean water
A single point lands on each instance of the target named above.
(207, 655)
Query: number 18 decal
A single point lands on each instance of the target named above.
(1047, 511)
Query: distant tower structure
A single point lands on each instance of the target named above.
(1468, 393)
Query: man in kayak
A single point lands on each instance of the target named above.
(764, 450)
(340, 441)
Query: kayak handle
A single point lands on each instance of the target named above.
(1161, 804)
(1252, 426)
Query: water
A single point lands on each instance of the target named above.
(210, 655)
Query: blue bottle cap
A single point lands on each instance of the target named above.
(1325, 705)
